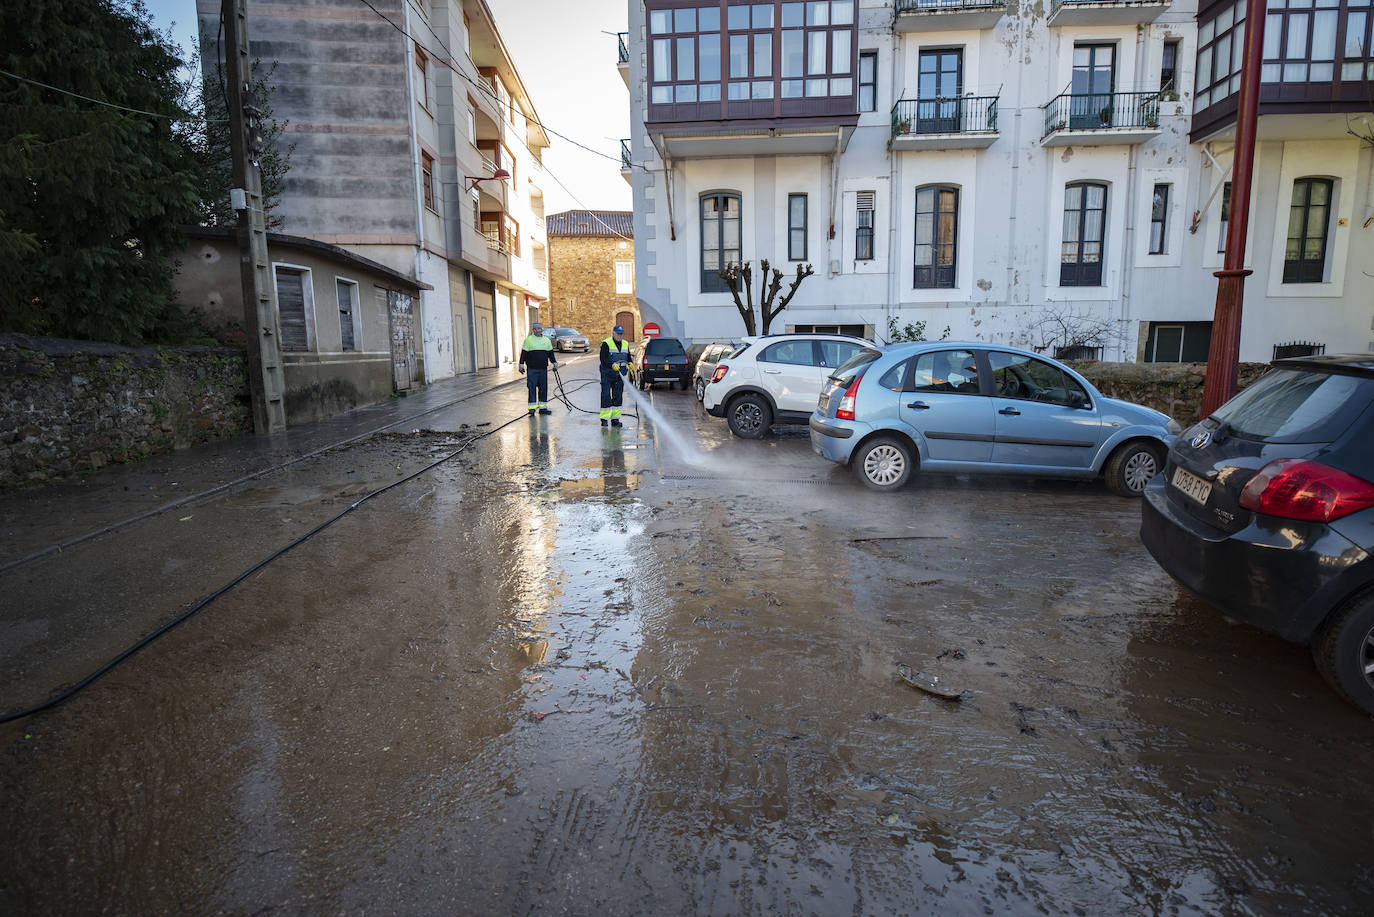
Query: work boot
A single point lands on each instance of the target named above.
(545, 411)
(531, 412)
(604, 422)
(616, 423)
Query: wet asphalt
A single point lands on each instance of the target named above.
(570, 670)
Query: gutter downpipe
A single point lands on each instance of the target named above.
(1128, 235)
(1015, 166)
(419, 181)
(895, 180)
(1223, 358)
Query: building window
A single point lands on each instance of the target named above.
(796, 227)
(427, 176)
(1159, 216)
(684, 51)
(1168, 69)
(750, 49)
(868, 80)
(720, 238)
(1178, 342)
(293, 294)
(937, 231)
(1092, 85)
(857, 331)
(472, 123)
(1304, 257)
(939, 85)
(347, 292)
(863, 227)
(1298, 349)
(1220, 43)
(624, 278)
(1225, 216)
(1085, 212)
(422, 78)
(1300, 42)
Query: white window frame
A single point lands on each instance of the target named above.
(624, 278)
(357, 305)
(307, 294)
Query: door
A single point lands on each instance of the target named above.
(1044, 417)
(941, 82)
(942, 401)
(789, 370)
(401, 309)
(1094, 78)
(626, 320)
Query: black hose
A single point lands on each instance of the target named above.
(200, 603)
(562, 395)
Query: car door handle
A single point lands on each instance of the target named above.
(773, 372)
(1009, 411)
(919, 406)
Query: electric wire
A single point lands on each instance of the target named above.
(77, 95)
(561, 393)
(201, 603)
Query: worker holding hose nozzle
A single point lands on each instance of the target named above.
(537, 353)
(615, 364)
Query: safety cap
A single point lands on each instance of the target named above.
(538, 327)
(618, 329)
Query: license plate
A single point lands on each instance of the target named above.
(665, 365)
(1192, 486)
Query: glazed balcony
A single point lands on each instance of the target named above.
(956, 123)
(1105, 12)
(1101, 118)
(944, 15)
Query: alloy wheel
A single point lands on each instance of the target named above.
(748, 417)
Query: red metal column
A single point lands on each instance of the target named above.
(1223, 360)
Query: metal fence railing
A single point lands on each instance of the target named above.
(626, 160)
(1093, 111)
(913, 6)
(952, 115)
(623, 38)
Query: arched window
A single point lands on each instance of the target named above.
(1085, 227)
(720, 241)
(937, 237)
(1304, 257)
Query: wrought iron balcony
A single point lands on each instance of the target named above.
(933, 15)
(953, 123)
(627, 162)
(623, 38)
(1100, 118)
(1105, 12)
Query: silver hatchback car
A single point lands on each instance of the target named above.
(973, 407)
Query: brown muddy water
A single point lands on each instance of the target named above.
(561, 673)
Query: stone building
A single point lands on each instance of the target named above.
(591, 273)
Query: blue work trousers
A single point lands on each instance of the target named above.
(537, 381)
(612, 394)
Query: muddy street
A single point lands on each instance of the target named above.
(590, 671)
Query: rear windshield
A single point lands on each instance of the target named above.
(855, 365)
(662, 346)
(562, 331)
(1297, 406)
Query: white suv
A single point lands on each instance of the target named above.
(776, 378)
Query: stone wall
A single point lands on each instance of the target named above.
(73, 406)
(1174, 388)
(582, 286)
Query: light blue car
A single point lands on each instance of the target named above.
(971, 407)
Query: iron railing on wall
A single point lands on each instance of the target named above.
(623, 38)
(913, 6)
(952, 115)
(626, 161)
(1095, 111)
(1298, 349)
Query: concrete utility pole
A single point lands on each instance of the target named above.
(1223, 358)
(259, 310)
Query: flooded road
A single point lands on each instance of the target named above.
(597, 672)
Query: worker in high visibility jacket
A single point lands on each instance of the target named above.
(615, 364)
(537, 354)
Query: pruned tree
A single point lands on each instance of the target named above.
(741, 276)
(1064, 328)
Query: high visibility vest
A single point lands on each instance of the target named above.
(537, 342)
(613, 347)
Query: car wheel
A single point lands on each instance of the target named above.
(883, 463)
(1344, 651)
(642, 383)
(701, 389)
(1132, 466)
(749, 416)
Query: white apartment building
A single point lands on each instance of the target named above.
(1003, 169)
(402, 117)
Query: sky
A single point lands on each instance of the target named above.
(568, 66)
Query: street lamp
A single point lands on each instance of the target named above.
(498, 175)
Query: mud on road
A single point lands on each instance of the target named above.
(569, 672)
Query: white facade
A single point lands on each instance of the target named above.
(1011, 184)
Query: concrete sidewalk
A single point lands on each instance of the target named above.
(49, 518)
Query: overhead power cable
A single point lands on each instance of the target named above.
(77, 95)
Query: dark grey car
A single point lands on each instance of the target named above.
(1266, 511)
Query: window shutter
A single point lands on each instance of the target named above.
(291, 309)
(865, 200)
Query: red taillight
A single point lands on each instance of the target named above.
(644, 361)
(846, 409)
(1305, 490)
(720, 372)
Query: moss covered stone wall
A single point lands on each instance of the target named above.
(73, 406)
(1174, 388)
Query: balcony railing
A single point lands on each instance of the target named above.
(953, 115)
(921, 6)
(623, 38)
(1098, 111)
(626, 160)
